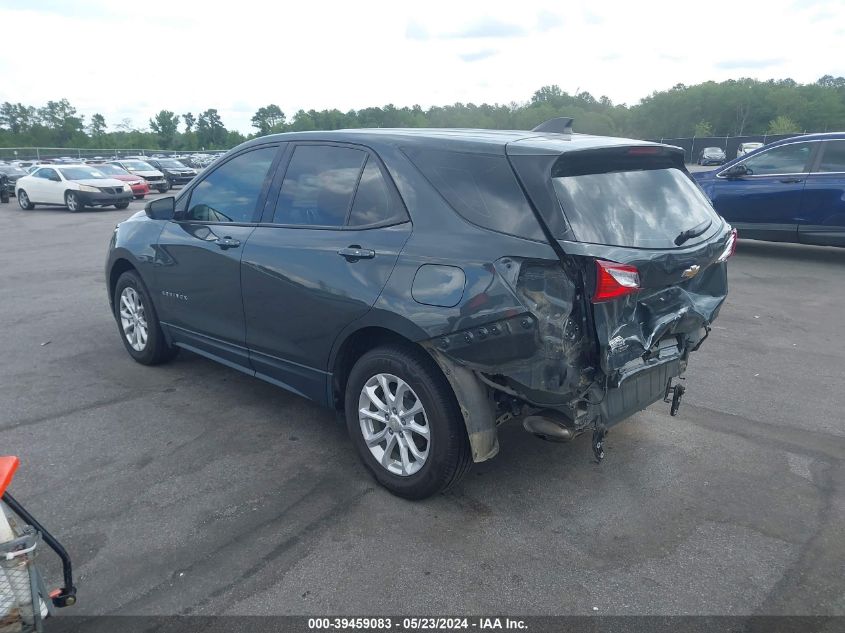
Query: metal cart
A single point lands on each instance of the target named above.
(24, 599)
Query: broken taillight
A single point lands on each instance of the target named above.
(615, 280)
(730, 246)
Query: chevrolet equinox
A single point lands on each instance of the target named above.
(432, 284)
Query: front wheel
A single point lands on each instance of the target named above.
(164, 188)
(121, 205)
(138, 323)
(404, 420)
(24, 201)
(73, 203)
(141, 197)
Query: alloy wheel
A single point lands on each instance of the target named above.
(394, 424)
(133, 319)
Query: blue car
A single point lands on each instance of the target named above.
(790, 191)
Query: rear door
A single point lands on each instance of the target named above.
(198, 272)
(329, 239)
(823, 206)
(766, 203)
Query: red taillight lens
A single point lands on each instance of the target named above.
(730, 247)
(615, 280)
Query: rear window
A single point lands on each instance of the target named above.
(480, 187)
(632, 201)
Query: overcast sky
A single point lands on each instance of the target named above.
(130, 59)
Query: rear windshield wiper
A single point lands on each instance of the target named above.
(695, 231)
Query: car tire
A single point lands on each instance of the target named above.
(121, 205)
(139, 197)
(24, 201)
(445, 449)
(130, 293)
(164, 188)
(72, 202)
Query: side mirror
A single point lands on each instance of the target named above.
(737, 171)
(161, 209)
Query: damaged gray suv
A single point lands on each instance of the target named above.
(432, 284)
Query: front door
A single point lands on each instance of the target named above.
(322, 255)
(766, 203)
(47, 187)
(198, 257)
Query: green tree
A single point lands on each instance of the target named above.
(61, 118)
(782, 125)
(703, 128)
(165, 126)
(190, 120)
(547, 94)
(97, 126)
(269, 119)
(17, 118)
(211, 133)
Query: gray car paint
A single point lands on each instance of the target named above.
(550, 353)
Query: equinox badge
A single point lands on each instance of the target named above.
(691, 272)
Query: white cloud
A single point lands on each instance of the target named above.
(131, 60)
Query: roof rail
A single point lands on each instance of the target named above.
(558, 125)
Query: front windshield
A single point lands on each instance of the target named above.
(112, 170)
(171, 163)
(712, 150)
(81, 173)
(138, 165)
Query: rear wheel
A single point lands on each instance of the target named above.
(404, 420)
(138, 323)
(72, 202)
(24, 201)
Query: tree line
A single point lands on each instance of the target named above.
(728, 108)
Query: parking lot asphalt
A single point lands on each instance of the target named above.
(191, 488)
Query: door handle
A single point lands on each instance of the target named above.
(355, 252)
(227, 242)
(791, 180)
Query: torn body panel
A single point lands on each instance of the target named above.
(596, 364)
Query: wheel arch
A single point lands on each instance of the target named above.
(473, 397)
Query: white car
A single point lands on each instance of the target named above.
(74, 186)
(745, 148)
(155, 179)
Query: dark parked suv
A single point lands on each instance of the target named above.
(433, 284)
(174, 171)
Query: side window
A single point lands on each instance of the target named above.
(374, 203)
(230, 192)
(48, 174)
(833, 157)
(480, 187)
(786, 159)
(318, 186)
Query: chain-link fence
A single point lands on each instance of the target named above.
(52, 153)
(693, 146)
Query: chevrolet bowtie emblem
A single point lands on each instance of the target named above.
(691, 272)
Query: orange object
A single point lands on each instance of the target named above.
(8, 465)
